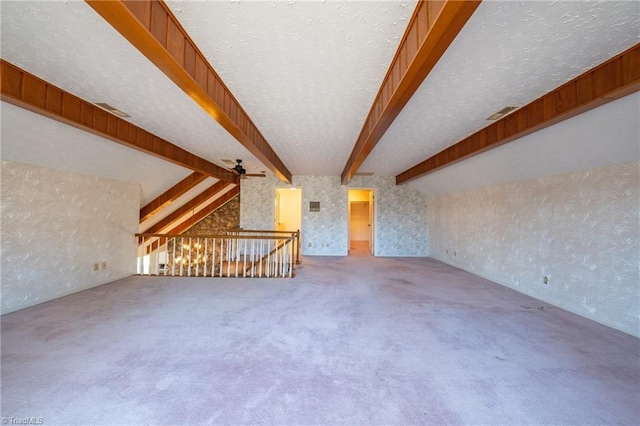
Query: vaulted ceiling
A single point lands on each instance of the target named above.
(323, 88)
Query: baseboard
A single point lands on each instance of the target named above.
(635, 333)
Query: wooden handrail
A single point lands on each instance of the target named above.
(241, 237)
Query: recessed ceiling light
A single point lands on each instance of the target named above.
(111, 109)
(504, 111)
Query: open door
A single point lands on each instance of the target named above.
(372, 198)
(361, 230)
(288, 204)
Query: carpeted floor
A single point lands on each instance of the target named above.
(351, 340)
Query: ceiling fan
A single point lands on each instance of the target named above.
(242, 172)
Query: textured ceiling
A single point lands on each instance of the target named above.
(509, 53)
(601, 137)
(177, 203)
(70, 45)
(186, 197)
(34, 139)
(306, 72)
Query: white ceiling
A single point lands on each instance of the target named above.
(34, 139)
(597, 138)
(307, 73)
(70, 45)
(508, 54)
(183, 199)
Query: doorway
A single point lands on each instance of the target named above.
(288, 205)
(361, 222)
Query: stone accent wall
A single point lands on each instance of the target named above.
(225, 218)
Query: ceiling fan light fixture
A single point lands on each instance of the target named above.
(105, 106)
(504, 111)
(239, 169)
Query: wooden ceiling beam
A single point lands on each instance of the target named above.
(34, 94)
(197, 217)
(188, 207)
(171, 194)
(192, 220)
(156, 33)
(613, 79)
(432, 28)
(206, 211)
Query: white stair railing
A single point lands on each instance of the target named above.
(236, 253)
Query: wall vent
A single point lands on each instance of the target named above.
(504, 111)
(112, 110)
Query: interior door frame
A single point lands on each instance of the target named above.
(373, 210)
(276, 206)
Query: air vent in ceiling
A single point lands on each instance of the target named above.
(229, 162)
(504, 111)
(111, 109)
(364, 174)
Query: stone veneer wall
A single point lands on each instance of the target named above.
(226, 217)
(581, 230)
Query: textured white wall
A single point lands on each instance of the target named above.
(581, 230)
(55, 226)
(401, 220)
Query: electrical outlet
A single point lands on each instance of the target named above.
(545, 280)
(447, 251)
(310, 245)
(455, 254)
(104, 264)
(96, 266)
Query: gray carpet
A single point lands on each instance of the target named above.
(358, 340)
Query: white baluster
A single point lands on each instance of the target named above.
(237, 253)
(204, 265)
(261, 259)
(253, 257)
(181, 255)
(213, 256)
(291, 258)
(197, 257)
(229, 256)
(173, 255)
(221, 252)
(189, 248)
(268, 258)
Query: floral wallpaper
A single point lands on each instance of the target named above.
(581, 230)
(56, 226)
(400, 223)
